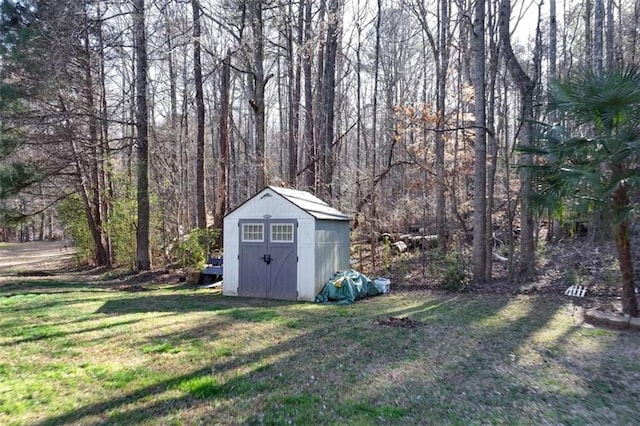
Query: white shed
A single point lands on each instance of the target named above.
(283, 244)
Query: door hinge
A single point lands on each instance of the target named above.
(238, 256)
(297, 259)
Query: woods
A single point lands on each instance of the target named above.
(130, 124)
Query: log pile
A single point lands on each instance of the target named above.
(400, 243)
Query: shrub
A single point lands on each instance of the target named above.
(122, 230)
(452, 273)
(192, 250)
(73, 217)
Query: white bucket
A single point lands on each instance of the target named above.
(382, 284)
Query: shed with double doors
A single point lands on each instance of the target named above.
(283, 244)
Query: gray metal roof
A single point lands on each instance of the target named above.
(310, 203)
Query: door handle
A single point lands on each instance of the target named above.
(267, 258)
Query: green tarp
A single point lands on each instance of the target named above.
(345, 287)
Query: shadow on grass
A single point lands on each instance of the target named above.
(180, 302)
(502, 371)
(286, 377)
(46, 286)
(461, 366)
(100, 408)
(44, 333)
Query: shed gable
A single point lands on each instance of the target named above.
(268, 202)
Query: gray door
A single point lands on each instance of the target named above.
(268, 259)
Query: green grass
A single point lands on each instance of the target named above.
(80, 354)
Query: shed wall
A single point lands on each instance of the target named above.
(332, 246)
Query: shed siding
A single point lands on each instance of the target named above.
(332, 250)
(306, 264)
(231, 246)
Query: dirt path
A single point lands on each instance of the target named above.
(34, 256)
(35, 259)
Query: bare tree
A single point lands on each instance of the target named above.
(328, 98)
(480, 147)
(440, 43)
(197, 71)
(254, 9)
(309, 125)
(143, 258)
(598, 30)
(526, 86)
(223, 159)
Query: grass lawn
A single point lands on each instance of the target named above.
(75, 353)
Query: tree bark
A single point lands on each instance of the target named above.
(553, 46)
(223, 161)
(295, 75)
(492, 140)
(609, 35)
(526, 86)
(442, 64)
(328, 99)
(554, 224)
(143, 255)
(623, 246)
(598, 27)
(197, 71)
(629, 301)
(588, 34)
(260, 82)
(95, 199)
(309, 134)
(106, 165)
(480, 146)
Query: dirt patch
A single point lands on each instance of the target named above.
(55, 259)
(35, 257)
(35, 274)
(130, 288)
(404, 322)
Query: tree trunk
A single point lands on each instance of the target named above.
(309, 134)
(480, 146)
(81, 180)
(442, 64)
(620, 198)
(588, 34)
(553, 43)
(526, 86)
(95, 199)
(260, 82)
(295, 87)
(359, 126)
(629, 302)
(197, 71)
(609, 34)
(143, 261)
(527, 226)
(106, 165)
(553, 229)
(492, 140)
(598, 27)
(328, 99)
(223, 160)
(374, 131)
